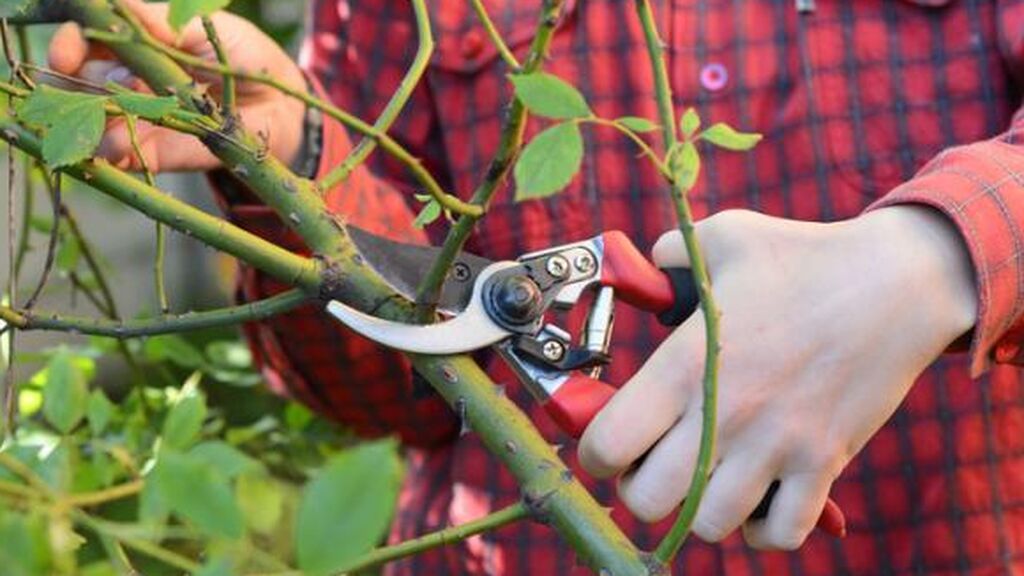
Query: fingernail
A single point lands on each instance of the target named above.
(119, 75)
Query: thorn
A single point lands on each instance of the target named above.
(295, 218)
(499, 389)
(557, 447)
(511, 447)
(460, 408)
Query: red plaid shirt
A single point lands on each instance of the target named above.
(853, 98)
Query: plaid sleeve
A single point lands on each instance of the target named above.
(980, 187)
(305, 354)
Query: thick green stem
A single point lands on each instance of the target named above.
(511, 140)
(446, 537)
(549, 488)
(248, 312)
(672, 542)
(215, 232)
(394, 106)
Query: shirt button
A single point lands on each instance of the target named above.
(1007, 352)
(714, 76)
(472, 44)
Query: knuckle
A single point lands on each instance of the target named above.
(710, 528)
(600, 454)
(644, 503)
(788, 540)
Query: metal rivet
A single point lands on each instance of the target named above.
(554, 350)
(558, 266)
(584, 263)
(460, 272)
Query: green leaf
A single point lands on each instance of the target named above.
(347, 507)
(232, 354)
(99, 412)
(29, 401)
(12, 8)
(227, 459)
(185, 419)
(184, 10)
(549, 96)
(66, 394)
(689, 123)
(73, 123)
(430, 212)
(174, 349)
(195, 491)
(262, 501)
(297, 417)
(725, 136)
(549, 162)
(637, 124)
(684, 162)
(24, 544)
(146, 106)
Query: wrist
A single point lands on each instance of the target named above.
(931, 264)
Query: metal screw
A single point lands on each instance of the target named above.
(460, 272)
(554, 350)
(584, 263)
(558, 266)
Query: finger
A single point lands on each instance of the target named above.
(68, 49)
(670, 251)
(733, 492)
(164, 150)
(644, 409)
(661, 481)
(153, 16)
(793, 513)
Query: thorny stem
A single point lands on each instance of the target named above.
(228, 94)
(446, 537)
(495, 36)
(161, 237)
(176, 214)
(394, 106)
(230, 316)
(549, 487)
(672, 542)
(386, 143)
(510, 142)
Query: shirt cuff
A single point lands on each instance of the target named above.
(979, 187)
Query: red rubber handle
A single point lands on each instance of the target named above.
(577, 401)
(635, 279)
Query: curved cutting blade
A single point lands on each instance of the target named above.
(404, 266)
(468, 331)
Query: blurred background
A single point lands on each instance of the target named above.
(122, 240)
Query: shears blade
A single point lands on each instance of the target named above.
(404, 266)
(470, 330)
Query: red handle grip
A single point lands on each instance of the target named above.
(635, 279)
(576, 402)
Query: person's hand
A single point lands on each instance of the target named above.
(261, 108)
(824, 329)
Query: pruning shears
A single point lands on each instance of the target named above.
(504, 305)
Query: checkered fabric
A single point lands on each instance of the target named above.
(853, 98)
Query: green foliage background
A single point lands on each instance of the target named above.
(188, 464)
